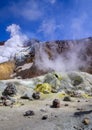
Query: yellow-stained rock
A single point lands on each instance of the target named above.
(44, 88)
(6, 69)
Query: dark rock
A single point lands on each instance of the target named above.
(3, 98)
(67, 98)
(78, 128)
(56, 116)
(80, 109)
(81, 113)
(75, 127)
(26, 96)
(45, 117)
(29, 113)
(10, 90)
(7, 103)
(54, 91)
(86, 101)
(36, 95)
(66, 105)
(56, 103)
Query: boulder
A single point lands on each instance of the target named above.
(10, 90)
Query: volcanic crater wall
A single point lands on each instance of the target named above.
(66, 55)
(60, 56)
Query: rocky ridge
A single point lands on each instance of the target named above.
(36, 52)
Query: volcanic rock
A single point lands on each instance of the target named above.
(36, 95)
(7, 103)
(56, 103)
(44, 117)
(10, 90)
(67, 98)
(29, 113)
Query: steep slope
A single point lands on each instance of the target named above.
(38, 58)
(74, 55)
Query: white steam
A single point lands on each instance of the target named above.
(70, 61)
(12, 45)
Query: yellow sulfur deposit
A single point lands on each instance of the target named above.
(44, 88)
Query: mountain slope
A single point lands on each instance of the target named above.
(38, 58)
(74, 55)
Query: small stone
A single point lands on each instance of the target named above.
(75, 127)
(54, 91)
(36, 95)
(86, 101)
(56, 116)
(86, 121)
(56, 103)
(29, 113)
(42, 110)
(78, 101)
(7, 103)
(45, 117)
(66, 105)
(67, 98)
(80, 109)
(3, 98)
(26, 96)
(22, 104)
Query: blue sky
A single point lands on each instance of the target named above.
(47, 19)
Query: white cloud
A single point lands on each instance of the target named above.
(77, 28)
(49, 28)
(31, 14)
(30, 10)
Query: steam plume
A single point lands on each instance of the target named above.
(75, 58)
(12, 45)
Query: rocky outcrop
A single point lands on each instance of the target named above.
(78, 52)
(75, 84)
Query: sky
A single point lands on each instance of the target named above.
(47, 19)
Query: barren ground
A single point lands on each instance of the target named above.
(62, 118)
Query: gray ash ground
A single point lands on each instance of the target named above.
(63, 118)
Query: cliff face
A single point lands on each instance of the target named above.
(40, 58)
(49, 56)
